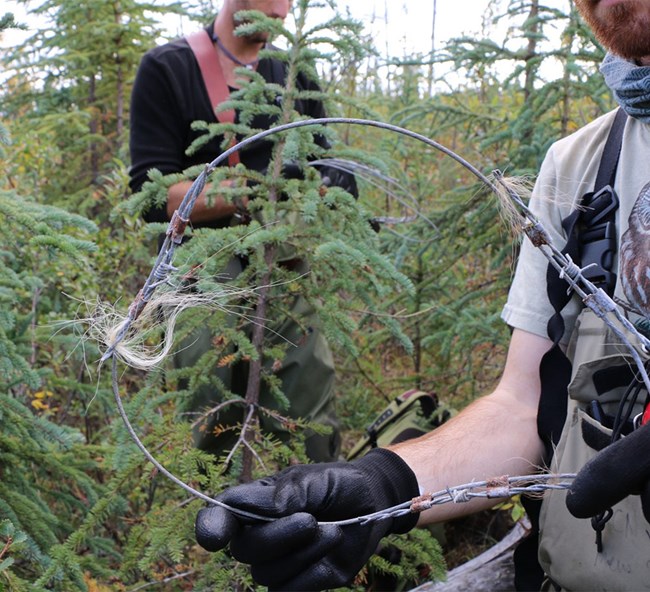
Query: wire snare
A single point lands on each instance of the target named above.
(499, 487)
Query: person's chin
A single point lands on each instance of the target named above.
(257, 38)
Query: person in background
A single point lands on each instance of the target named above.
(169, 94)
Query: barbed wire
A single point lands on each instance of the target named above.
(496, 488)
(596, 299)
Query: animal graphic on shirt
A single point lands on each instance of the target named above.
(635, 255)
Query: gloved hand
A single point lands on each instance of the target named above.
(294, 552)
(335, 177)
(619, 470)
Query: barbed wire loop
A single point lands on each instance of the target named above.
(500, 487)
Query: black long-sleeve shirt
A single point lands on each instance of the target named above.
(168, 95)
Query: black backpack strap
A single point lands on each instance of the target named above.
(591, 238)
(611, 153)
(597, 243)
(595, 218)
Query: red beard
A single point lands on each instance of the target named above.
(622, 28)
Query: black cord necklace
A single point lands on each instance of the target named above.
(229, 55)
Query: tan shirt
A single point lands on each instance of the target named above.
(567, 173)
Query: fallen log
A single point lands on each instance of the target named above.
(492, 570)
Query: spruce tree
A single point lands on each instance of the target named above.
(291, 218)
(517, 95)
(75, 78)
(45, 486)
(53, 461)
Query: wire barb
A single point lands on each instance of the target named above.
(495, 488)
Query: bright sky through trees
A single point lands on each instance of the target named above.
(402, 27)
(398, 28)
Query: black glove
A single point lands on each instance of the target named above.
(621, 469)
(335, 177)
(294, 552)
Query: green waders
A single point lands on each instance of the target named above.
(306, 372)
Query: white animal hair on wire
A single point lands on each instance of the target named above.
(158, 317)
(510, 213)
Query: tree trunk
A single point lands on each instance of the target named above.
(119, 82)
(93, 128)
(255, 369)
(433, 47)
(532, 31)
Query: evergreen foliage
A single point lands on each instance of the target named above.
(45, 485)
(459, 255)
(415, 305)
(298, 221)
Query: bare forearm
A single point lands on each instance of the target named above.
(202, 212)
(496, 435)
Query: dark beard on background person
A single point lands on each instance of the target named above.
(625, 30)
(257, 37)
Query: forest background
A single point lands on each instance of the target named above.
(413, 306)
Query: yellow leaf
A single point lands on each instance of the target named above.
(43, 394)
(226, 360)
(94, 586)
